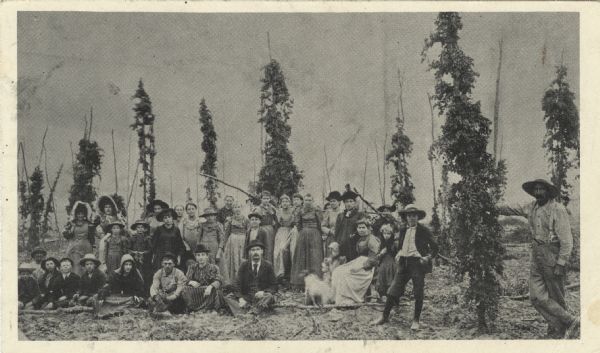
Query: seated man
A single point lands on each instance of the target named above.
(167, 284)
(91, 282)
(49, 285)
(38, 255)
(68, 284)
(29, 291)
(256, 284)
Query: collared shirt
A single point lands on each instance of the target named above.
(550, 223)
(409, 248)
(257, 267)
(170, 284)
(65, 275)
(253, 233)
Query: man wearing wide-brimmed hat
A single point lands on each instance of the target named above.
(256, 284)
(212, 235)
(345, 226)
(167, 284)
(417, 249)
(91, 282)
(551, 248)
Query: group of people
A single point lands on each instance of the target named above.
(176, 260)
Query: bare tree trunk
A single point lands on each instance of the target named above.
(432, 142)
(497, 102)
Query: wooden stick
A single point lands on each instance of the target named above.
(227, 184)
(365, 172)
(432, 142)
(25, 166)
(378, 170)
(448, 260)
(333, 306)
(43, 146)
(112, 134)
(89, 135)
(327, 168)
(132, 186)
(497, 102)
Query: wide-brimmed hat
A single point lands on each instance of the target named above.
(53, 259)
(201, 248)
(150, 206)
(115, 223)
(106, 200)
(255, 243)
(168, 255)
(38, 251)
(255, 214)
(209, 212)
(552, 190)
(168, 211)
(27, 266)
(386, 208)
(80, 206)
(140, 222)
(298, 196)
(66, 259)
(89, 257)
(412, 209)
(349, 195)
(334, 195)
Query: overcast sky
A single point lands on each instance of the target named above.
(340, 69)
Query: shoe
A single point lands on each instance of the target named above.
(415, 325)
(382, 320)
(573, 330)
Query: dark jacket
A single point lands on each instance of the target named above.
(52, 290)
(424, 243)
(129, 285)
(247, 284)
(68, 286)
(260, 236)
(90, 286)
(345, 227)
(28, 289)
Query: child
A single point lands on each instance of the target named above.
(141, 246)
(68, 284)
(115, 245)
(49, 285)
(29, 291)
(212, 235)
(387, 264)
(92, 281)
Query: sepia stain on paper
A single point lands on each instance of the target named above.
(594, 312)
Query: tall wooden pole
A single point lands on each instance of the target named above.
(378, 170)
(365, 172)
(112, 134)
(432, 141)
(128, 163)
(497, 102)
(327, 168)
(43, 146)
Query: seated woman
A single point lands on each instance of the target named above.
(125, 290)
(203, 290)
(331, 262)
(351, 281)
(49, 285)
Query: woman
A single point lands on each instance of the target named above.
(125, 289)
(115, 245)
(108, 213)
(153, 209)
(285, 218)
(80, 234)
(179, 210)
(49, 285)
(166, 238)
(203, 290)
(212, 235)
(190, 231)
(351, 281)
(268, 223)
(309, 250)
(297, 202)
(235, 238)
(329, 218)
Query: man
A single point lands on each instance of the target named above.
(551, 249)
(345, 226)
(92, 281)
(28, 289)
(68, 283)
(38, 255)
(227, 211)
(417, 249)
(256, 284)
(167, 284)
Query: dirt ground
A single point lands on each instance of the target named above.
(445, 314)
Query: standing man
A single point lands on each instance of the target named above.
(551, 248)
(417, 249)
(225, 213)
(345, 226)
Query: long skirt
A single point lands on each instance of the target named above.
(270, 242)
(195, 299)
(113, 261)
(76, 250)
(293, 241)
(233, 255)
(308, 255)
(385, 273)
(350, 281)
(282, 241)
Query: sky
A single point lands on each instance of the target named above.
(341, 70)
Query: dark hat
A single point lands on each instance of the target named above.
(552, 190)
(349, 195)
(334, 195)
(209, 212)
(150, 206)
(38, 251)
(201, 248)
(168, 211)
(53, 259)
(298, 196)
(140, 222)
(168, 255)
(106, 200)
(89, 257)
(412, 209)
(66, 259)
(255, 214)
(386, 208)
(190, 203)
(82, 207)
(255, 243)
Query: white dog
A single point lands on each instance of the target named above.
(316, 291)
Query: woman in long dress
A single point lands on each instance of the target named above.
(80, 234)
(115, 245)
(351, 280)
(166, 238)
(268, 223)
(285, 218)
(212, 235)
(235, 238)
(125, 290)
(203, 290)
(309, 245)
(190, 231)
